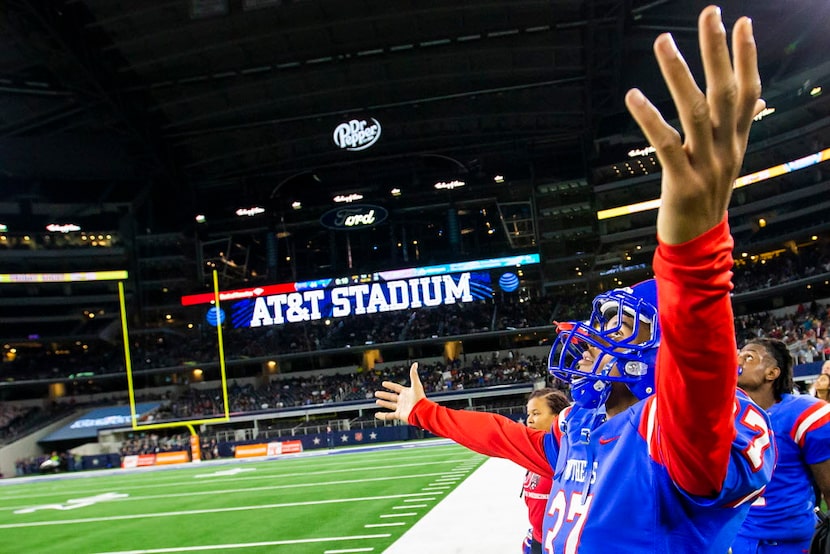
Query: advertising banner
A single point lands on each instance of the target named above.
(88, 425)
(195, 448)
(250, 450)
(269, 449)
(140, 460)
(166, 458)
(162, 458)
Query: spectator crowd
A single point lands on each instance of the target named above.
(802, 327)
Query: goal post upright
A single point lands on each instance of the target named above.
(131, 385)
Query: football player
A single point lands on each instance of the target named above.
(660, 452)
(783, 520)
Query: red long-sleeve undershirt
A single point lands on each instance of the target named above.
(695, 381)
(697, 361)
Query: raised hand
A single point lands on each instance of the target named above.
(401, 399)
(698, 173)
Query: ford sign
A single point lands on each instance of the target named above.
(356, 135)
(358, 216)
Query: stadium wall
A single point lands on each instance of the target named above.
(28, 446)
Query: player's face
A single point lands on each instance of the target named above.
(622, 330)
(539, 414)
(755, 364)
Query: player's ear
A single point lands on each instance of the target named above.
(773, 372)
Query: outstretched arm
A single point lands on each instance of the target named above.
(696, 375)
(485, 433)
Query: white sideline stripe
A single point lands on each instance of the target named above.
(252, 545)
(400, 514)
(486, 512)
(348, 550)
(419, 499)
(205, 511)
(409, 506)
(393, 524)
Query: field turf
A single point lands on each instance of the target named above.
(358, 500)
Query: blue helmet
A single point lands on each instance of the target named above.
(634, 361)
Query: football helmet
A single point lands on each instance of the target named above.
(634, 361)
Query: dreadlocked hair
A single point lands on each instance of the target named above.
(783, 384)
(555, 399)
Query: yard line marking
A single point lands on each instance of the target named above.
(393, 524)
(247, 545)
(128, 487)
(348, 550)
(258, 489)
(204, 511)
(419, 499)
(402, 514)
(225, 473)
(409, 507)
(74, 503)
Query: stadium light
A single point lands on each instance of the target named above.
(450, 185)
(250, 212)
(752, 178)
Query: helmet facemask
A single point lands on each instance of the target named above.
(612, 346)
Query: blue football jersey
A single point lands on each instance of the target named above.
(802, 434)
(641, 508)
(673, 473)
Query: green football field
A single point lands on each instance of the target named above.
(345, 501)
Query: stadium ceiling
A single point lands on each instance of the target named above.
(172, 103)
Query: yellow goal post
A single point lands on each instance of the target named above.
(128, 364)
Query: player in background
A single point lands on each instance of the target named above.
(825, 370)
(543, 405)
(660, 452)
(821, 387)
(782, 520)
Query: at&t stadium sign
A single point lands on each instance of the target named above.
(360, 299)
(357, 134)
(385, 291)
(357, 216)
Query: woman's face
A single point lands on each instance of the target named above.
(823, 382)
(539, 414)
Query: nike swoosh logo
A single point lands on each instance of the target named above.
(607, 440)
